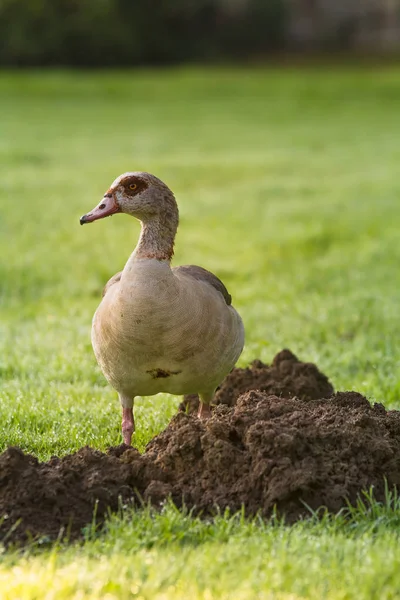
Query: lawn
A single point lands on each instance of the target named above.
(288, 187)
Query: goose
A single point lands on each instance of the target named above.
(157, 328)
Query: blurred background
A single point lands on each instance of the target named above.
(157, 32)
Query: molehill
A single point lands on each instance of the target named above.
(279, 437)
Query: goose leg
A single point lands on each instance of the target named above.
(128, 422)
(204, 408)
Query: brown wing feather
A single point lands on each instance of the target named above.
(203, 275)
(114, 279)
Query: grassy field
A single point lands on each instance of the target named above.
(288, 186)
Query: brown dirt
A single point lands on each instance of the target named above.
(258, 451)
(287, 377)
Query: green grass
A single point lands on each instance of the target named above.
(173, 555)
(288, 186)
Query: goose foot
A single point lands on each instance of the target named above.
(204, 411)
(128, 425)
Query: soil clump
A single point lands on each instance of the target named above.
(278, 437)
(286, 377)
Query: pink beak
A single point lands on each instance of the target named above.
(108, 206)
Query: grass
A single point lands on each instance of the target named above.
(288, 188)
(173, 555)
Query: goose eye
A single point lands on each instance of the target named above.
(132, 186)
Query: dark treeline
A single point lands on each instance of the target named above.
(134, 32)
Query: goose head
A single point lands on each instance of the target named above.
(139, 194)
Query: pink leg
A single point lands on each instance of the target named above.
(128, 422)
(204, 408)
(128, 425)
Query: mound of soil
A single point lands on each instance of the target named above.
(286, 377)
(259, 451)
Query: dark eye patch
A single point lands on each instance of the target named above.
(134, 185)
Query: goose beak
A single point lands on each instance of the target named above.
(108, 206)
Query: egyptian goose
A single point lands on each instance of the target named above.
(157, 328)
